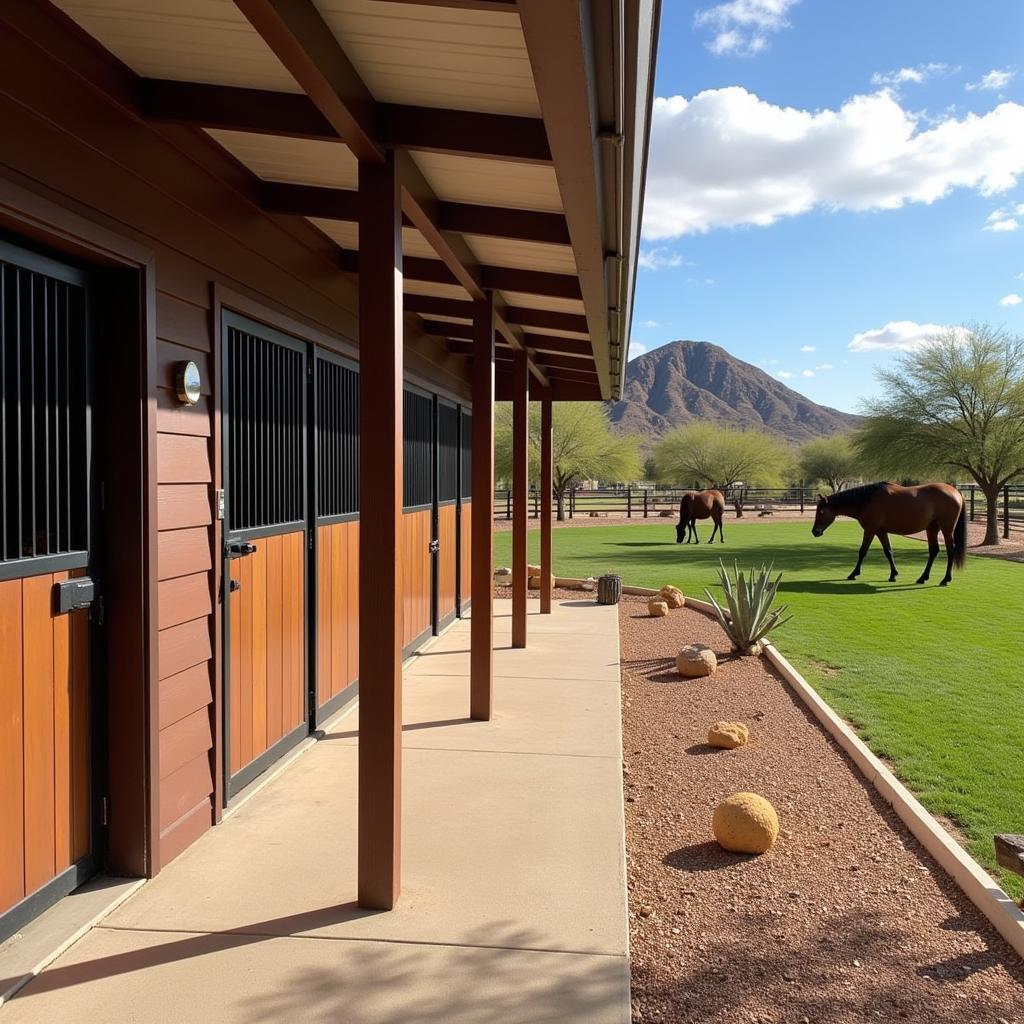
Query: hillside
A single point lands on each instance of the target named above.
(686, 381)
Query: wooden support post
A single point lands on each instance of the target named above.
(1006, 513)
(380, 477)
(520, 479)
(481, 622)
(546, 474)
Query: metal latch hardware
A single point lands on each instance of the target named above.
(435, 546)
(239, 549)
(79, 592)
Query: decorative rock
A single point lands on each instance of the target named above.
(657, 608)
(728, 735)
(745, 823)
(503, 571)
(695, 661)
(588, 584)
(672, 596)
(533, 570)
(535, 581)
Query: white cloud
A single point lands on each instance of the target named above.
(895, 336)
(824, 366)
(1010, 300)
(916, 75)
(784, 375)
(635, 349)
(807, 348)
(650, 323)
(726, 158)
(656, 258)
(1005, 218)
(807, 373)
(995, 80)
(741, 27)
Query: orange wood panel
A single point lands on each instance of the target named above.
(258, 722)
(183, 552)
(235, 649)
(244, 739)
(298, 628)
(184, 598)
(12, 796)
(184, 741)
(37, 655)
(339, 602)
(63, 683)
(325, 592)
(181, 459)
(184, 693)
(466, 551)
(183, 505)
(352, 589)
(181, 647)
(81, 735)
(446, 532)
(184, 789)
(275, 639)
(292, 625)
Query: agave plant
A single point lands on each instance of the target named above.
(749, 618)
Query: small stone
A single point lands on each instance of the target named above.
(503, 571)
(657, 608)
(695, 661)
(672, 596)
(728, 735)
(646, 910)
(675, 931)
(856, 963)
(745, 823)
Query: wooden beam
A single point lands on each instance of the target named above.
(546, 474)
(491, 221)
(503, 6)
(576, 376)
(265, 112)
(545, 319)
(520, 493)
(481, 625)
(567, 362)
(465, 348)
(304, 43)
(535, 282)
(380, 478)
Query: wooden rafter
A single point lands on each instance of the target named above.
(544, 319)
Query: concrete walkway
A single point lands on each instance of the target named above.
(513, 906)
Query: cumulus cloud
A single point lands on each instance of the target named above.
(1010, 300)
(995, 80)
(741, 27)
(807, 348)
(914, 76)
(895, 336)
(727, 158)
(649, 323)
(656, 258)
(1005, 218)
(806, 373)
(784, 375)
(635, 349)
(824, 366)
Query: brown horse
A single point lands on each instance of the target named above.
(885, 508)
(700, 505)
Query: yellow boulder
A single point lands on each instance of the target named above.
(535, 582)
(695, 661)
(657, 608)
(728, 735)
(745, 823)
(533, 570)
(672, 596)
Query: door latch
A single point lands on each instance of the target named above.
(435, 546)
(78, 592)
(239, 548)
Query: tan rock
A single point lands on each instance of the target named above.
(533, 570)
(535, 581)
(657, 608)
(673, 596)
(695, 661)
(503, 570)
(745, 823)
(728, 735)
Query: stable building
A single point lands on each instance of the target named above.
(265, 267)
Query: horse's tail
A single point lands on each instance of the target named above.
(960, 538)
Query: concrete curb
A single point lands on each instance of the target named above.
(1003, 913)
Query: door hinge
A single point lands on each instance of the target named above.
(220, 502)
(104, 812)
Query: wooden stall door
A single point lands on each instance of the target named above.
(419, 466)
(48, 835)
(265, 547)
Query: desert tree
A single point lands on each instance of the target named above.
(954, 406)
(583, 447)
(833, 461)
(729, 459)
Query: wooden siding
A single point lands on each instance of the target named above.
(466, 552)
(45, 807)
(447, 558)
(337, 609)
(416, 574)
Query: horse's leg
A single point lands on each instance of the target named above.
(947, 536)
(869, 536)
(721, 531)
(693, 527)
(690, 531)
(714, 530)
(883, 539)
(933, 550)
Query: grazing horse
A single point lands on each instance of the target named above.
(885, 508)
(700, 505)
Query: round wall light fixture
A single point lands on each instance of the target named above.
(187, 383)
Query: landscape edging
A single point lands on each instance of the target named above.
(1000, 909)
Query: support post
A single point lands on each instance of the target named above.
(520, 496)
(1006, 512)
(481, 620)
(380, 478)
(546, 475)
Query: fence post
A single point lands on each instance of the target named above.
(508, 504)
(972, 503)
(536, 503)
(1006, 512)
(645, 503)
(629, 502)
(801, 497)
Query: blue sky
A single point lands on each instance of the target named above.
(832, 176)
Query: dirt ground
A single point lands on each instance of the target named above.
(846, 920)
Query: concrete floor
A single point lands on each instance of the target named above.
(513, 906)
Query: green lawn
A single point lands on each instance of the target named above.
(932, 677)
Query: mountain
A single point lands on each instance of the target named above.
(686, 381)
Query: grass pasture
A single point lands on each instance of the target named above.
(933, 678)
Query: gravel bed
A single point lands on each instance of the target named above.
(847, 919)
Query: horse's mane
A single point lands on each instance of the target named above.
(856, 495)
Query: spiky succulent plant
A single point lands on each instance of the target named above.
(749, 617)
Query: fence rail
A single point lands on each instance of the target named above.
(655, 502)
